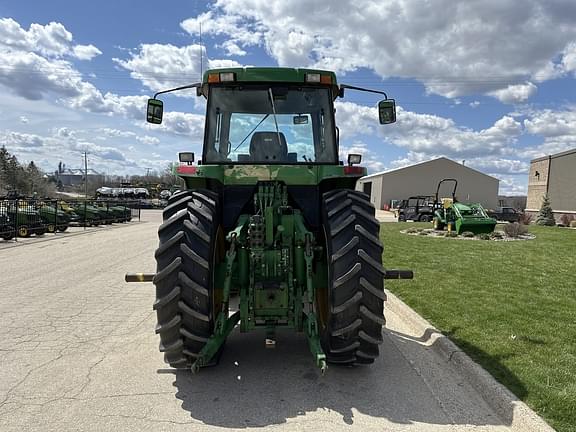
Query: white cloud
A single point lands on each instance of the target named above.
(515, 93)
(52, 40)
(569, 58)
(21, 140)
(557, 129)
(242, 31)
(191, 125)
(552, 124)
(86, 52)
(160, 67)
(430, 134)
(111, 132)
(32, 76)
(511, 185)
(148, 140)
(454, 49)
(223, 63)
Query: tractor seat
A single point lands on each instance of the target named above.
(264, 147)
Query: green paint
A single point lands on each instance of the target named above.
(466, 217)
(301, 175)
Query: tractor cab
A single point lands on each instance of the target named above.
(277, 116)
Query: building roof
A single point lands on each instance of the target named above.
(566, 153)
(424, 163)
(79, 172)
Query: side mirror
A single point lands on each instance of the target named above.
(154, 111)
(300, 119)
(387, 111)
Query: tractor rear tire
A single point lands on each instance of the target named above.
(353, 328)
(185, 259)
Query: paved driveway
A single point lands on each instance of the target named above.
(79, 353)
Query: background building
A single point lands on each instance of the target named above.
(422, 179)
(75, 177)
(515, 201)
(556, 176)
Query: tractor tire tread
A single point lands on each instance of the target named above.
(356, 287)
(184, 272)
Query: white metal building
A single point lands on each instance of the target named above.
(422, 179)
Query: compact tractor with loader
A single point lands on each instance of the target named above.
(270, 215)
(460, 217)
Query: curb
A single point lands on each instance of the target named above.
(498, 397)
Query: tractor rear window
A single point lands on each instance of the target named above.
(267, 125)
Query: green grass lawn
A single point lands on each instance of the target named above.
(510, 305)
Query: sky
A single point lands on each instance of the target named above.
(488, 82)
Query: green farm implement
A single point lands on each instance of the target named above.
(53, 219)
(270, 215)
(26, 218)
(460, 217)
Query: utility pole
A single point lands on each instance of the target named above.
(86, 174)
(200, 24)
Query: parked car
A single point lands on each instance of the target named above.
(507, 214)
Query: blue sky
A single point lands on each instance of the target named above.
(488, 82)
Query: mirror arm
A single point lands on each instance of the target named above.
(195, 85)
(346, 86)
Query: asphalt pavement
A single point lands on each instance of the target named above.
(79, 353)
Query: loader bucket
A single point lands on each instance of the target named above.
(473, 218)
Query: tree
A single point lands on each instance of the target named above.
(545, 216)
(23, 180)
(4, 156)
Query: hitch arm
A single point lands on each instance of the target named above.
(139, 277)
(399, 274)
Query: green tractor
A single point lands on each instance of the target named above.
(27, 220)
(459, 217)
(270, 215)
(53, 219)
(121, 213)
(88, 215)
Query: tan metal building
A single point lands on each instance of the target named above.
(422, 179)
(556, 176)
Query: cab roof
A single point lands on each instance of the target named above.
(272, 75)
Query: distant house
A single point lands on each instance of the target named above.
(391, 186)
(75, 177)
(554, 175)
